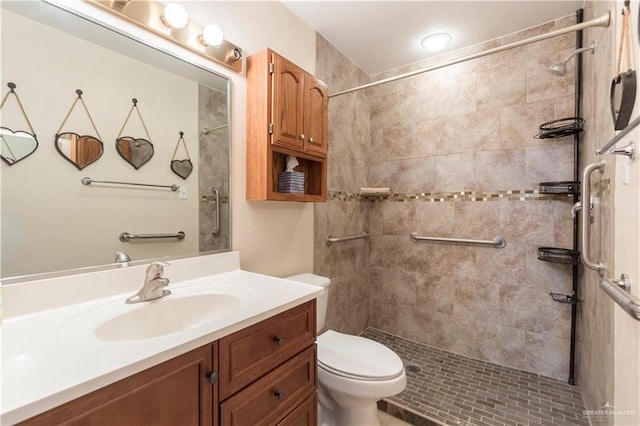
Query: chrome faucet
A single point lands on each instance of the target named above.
(154, 284)
(122, 258)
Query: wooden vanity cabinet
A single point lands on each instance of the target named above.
(286, 115)
(264, 374)
(176, 392)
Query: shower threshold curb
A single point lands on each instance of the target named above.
(406, 414)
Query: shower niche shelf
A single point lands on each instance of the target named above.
(559, 255)
(560, 188)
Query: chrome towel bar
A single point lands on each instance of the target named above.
(619, 136)
(125, 236)
(497, 242)
(88, 181)
(619, 291)
(331, 240)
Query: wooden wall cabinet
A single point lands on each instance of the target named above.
(264, 374)
(286, 115)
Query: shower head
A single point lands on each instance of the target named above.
(560, 68)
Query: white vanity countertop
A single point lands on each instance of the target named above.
(52, 356)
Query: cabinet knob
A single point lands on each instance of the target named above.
(311, 139)
(279, 340)
(279, 395)
(302, 136)
(213, 377)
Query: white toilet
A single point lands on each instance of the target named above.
(353, 372)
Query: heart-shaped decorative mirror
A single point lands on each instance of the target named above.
(79, 150)
(134, 151)
(16, 146)
(182, 168)
(623, 97)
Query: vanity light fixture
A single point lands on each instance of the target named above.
(436, 41)
(211, 36)
(166, 20)
(174, 16)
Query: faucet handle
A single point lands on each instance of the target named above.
(155, 270)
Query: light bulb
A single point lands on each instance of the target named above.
(211, 35)
(436, 41)
(175, 16)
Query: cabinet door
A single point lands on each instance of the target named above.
(176, 392)
(288, 91)
(316, 104)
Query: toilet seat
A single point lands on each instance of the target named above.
(357, 358)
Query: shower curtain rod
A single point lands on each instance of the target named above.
(601, 21)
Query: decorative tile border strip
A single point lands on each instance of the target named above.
(507, 195)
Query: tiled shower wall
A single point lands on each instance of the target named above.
(595, 362)
(347, 264)
(213, 169)
(463, 137)
(456, 148)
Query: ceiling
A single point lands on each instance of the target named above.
(381, 35)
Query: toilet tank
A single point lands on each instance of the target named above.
(321, 301)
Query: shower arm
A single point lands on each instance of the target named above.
(591, 47)
(601, 21)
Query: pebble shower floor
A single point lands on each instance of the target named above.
(448, 389)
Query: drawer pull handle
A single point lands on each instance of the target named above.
(279, 395)
(213, 377)
(311, 140)
(302, 136)
(279, 340)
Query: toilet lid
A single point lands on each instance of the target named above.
(357, 357)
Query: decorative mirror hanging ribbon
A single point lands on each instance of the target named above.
(16, 145)
(182, 168)
(135, 151)
(79, 150)
(623, 86)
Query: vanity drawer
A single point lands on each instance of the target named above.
(305, 414)
(248, 354)
(269, 399)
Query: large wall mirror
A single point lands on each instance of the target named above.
(51, 221)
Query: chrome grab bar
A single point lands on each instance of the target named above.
(125, 236)
(213, 129)
(331, 240)
(88, 181)
(216, 196)
(619, 291)
(619, 136)
(585, 194)
(497, 242)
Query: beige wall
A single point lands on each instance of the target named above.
(595, 361)
(274, 238)
(610, 339)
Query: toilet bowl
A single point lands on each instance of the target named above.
(353, 372)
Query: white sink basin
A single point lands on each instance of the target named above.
(167, 315)
(184, 309)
